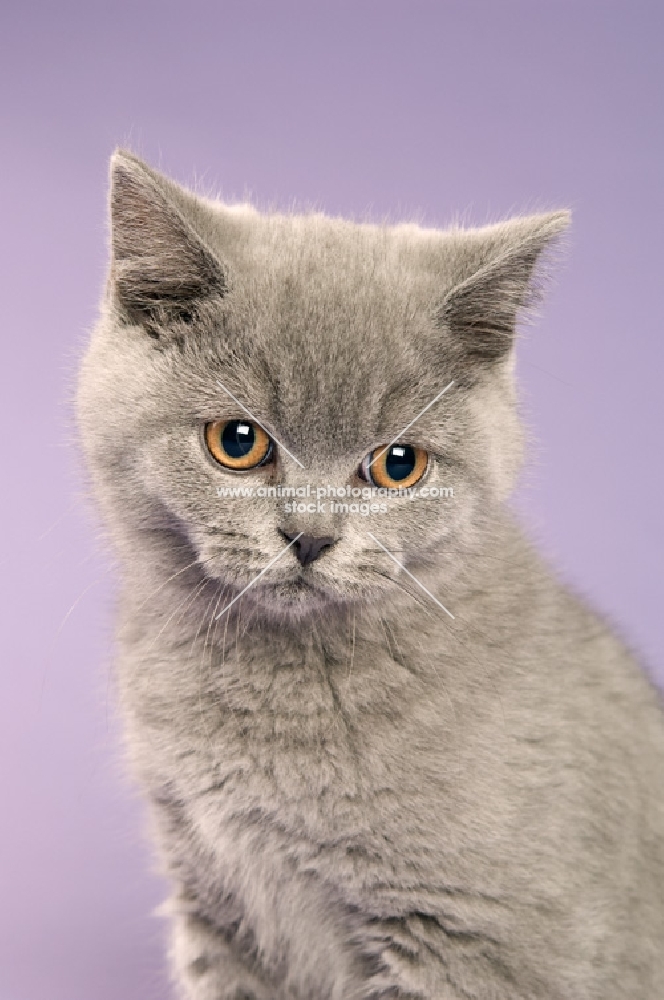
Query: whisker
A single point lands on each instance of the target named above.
(165, 582)
(180, 606)
(219, 594)
(352, 649)
(401, 584)
(57, 635)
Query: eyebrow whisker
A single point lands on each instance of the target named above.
(408, 426)
(257, 421)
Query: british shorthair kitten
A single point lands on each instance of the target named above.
(386, 753)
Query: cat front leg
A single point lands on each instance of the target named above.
(415, 957)
(209, 966)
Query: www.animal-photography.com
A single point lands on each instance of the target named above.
(332, 646)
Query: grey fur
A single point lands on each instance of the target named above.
(355, 796)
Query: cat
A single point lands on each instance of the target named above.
(385, 754)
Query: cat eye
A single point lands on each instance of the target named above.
(238, 444)
(396, 467)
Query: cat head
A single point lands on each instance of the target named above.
(282, 354)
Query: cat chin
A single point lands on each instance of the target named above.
(295, 600)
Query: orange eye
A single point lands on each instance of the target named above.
(238, 444)
(396, 467)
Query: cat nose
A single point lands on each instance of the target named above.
(309, 547)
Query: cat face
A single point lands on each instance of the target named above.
(281, 356)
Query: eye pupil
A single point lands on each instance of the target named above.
(238, 438)
(400, 462)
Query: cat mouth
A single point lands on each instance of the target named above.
(297, 595)
(301, 585)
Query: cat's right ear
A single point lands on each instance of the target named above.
(162, 273)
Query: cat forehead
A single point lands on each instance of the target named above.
(327, 290)
(307, 244)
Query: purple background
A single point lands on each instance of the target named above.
(390, 108)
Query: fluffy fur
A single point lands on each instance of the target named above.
(355, 796)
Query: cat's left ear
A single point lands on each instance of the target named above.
(162, 271)
(496, 281)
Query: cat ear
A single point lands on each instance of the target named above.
(481, 310)
(162, 272)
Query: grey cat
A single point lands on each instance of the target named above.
(406, 762)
